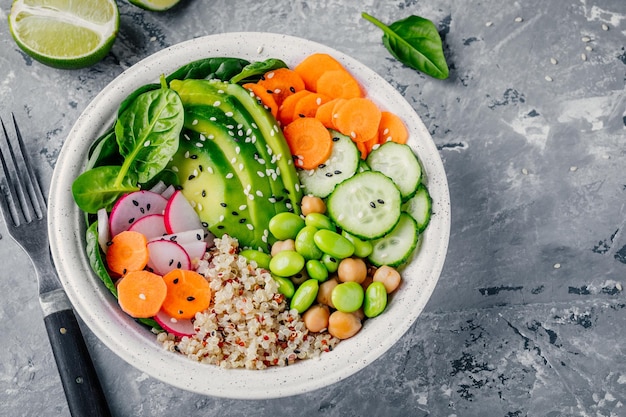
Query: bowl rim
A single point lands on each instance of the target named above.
(138, 346)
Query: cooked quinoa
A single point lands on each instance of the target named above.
(249, 324)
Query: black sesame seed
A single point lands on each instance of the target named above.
(200, 168)
(124, 271)
(136, 203)
(203, 193)
(142, 210)
(329, 174)
(321, 166)
(372, 204)
(292, 89)
(179, 265)
(205, 224)
(178, 187)
(234, 213)
(223, 204)
(191, 298)
(198, 236)
(171, 262)
(242, 220)
(269, 91)
(335, 139)
(337, 172)
(381, 201)
(148, 206)
(131, 220)
(220, 227)
(109, 243)
(191, 177)
(194, 156)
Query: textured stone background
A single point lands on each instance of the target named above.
(528, 317)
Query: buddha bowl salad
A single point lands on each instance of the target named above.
(252, 214)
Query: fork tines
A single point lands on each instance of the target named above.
(21, 192)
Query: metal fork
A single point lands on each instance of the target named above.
(24, 210)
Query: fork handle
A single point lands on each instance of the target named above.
(78, 374)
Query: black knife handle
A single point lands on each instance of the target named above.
(78, 374)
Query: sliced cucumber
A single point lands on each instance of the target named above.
(366, 205)
(398, 162)
(341, 164)
(397, 246)
(420, 207)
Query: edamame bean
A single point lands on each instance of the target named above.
(331, 264)
(285, 286)
(286, 225)
(305, 295)
(375, 299)
(286, 263)
(305, 243)
(333, 244)
(262, 259)
(362, 248)
(316, 270)
(319, 220)
(347, 296)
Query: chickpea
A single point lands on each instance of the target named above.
(312, 204)
(325, 290)
(352, 269)
(389, 276)
(316, 318)
(343, 325)
(282, 245)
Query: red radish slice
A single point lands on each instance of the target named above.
(151, 226)
(195, 250)
(168, 192)
(166, 256)
(193, 235)
(180, 215)
(177, 327)
(103, 230)
(132, 207)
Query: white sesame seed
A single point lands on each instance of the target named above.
(241, 167)
(142, 296)
(518, 19)
(187, 155)
(146, 143)
(586, 39)
(259, 49)
(199, 206)
(618, 286)
(250, 196)
(175, 168)
(229, 114)
(202, 137)
(259, 193)
(557, 266)
(489, 24)
(548, 78)
(260, 174)
(194, 122)
(199, 144)
(573, 168)
(605, 26)
(249, 226)
(221, 218)
(588, 48)
(237, 150)
(229, 175)
(243, 207)
(583, 57)
(524, 171)
(553, 61)
(217, 103)
(210, 170)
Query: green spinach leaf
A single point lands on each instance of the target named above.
(95, 258)
(209, 68)
(415, 42)
(255, 70)
(148, 132)
(99, 187)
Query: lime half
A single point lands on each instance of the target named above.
(155, 5)
(65, 34)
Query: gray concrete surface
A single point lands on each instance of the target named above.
(528, 317)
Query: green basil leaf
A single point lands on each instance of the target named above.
(99, 187)
(254, 71)
(148, 132)
(95, 258)
(209, 68)
(415, 42)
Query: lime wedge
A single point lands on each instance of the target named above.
(65, 34)
(155, 5)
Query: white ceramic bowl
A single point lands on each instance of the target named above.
(137, 345)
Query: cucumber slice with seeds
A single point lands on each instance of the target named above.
(420, 207)
(398, 162)
(342, 163)
(395, 248)
(366, 205)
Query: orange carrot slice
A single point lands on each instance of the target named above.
(358, 118)
(313, 66)
(324, 113)
(282, 83)
(127, 252)
(266, 98)
(338, 103)
(339, 84)
(392, 128)
(309, 141)
(188, 292)
(307, 105)
(141, 294)
(288, 106)
(368, 145)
